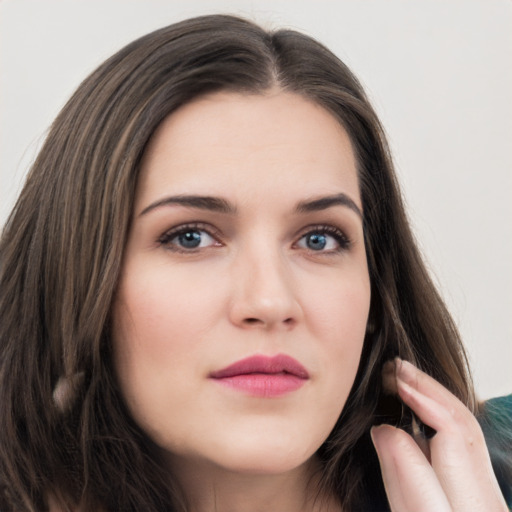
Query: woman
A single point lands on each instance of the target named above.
(205, 282)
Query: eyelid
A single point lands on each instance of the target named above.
(343, 240)
(339, 234)
(171, 233)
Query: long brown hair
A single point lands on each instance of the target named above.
(64, 429)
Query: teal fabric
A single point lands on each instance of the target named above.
(496, 423)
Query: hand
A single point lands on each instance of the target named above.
(452, 471)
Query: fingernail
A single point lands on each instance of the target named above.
(375, 434)
(378, 433)
(389, 377)
(388, 367)
(406, 371)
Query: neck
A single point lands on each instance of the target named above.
(207, 487)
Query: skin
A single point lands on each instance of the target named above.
(253, 286)
(450, 473)
(256, 286)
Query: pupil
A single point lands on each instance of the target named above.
(190, 239)
(316, 242)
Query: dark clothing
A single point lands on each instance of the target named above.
(496, 423)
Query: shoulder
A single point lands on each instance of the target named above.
(496, 421)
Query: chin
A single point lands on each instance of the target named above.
(263, 454)
(264, 464)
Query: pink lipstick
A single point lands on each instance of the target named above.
(263, 376)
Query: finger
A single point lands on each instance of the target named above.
(427, 385)
(458, 452)
(409, 480)
(389, 377)
(430, 411)
(441, 407)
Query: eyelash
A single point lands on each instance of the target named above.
(168, 236)
(341, 238)
(344, 243)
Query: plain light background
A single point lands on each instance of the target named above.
(439, 74)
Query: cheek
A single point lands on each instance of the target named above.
(163, 309)
(160, 324)
(338, 310)
(159, 321)
(338, 317)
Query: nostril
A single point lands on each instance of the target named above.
(257, 321)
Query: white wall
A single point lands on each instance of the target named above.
(439, 73)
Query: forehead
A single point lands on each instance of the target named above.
(240, 143)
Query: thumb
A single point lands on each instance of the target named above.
(409, 479)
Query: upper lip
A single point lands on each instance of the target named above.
(280, 363)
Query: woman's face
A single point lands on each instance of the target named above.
(244, 295)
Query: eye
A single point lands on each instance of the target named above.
(324, 239)
(188, 239)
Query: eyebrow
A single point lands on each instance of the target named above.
(217, 204)
(322, 203)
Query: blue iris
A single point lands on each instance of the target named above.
(190, 239)
(316, 241)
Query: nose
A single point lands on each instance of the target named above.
(264, 292)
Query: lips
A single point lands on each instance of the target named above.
(263, 376)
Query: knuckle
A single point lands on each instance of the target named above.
(460, 420)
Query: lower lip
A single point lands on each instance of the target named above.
(263, 384)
